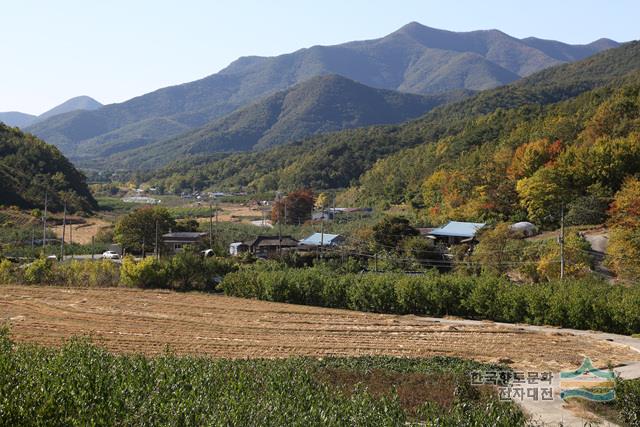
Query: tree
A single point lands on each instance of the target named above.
(391, 231)
(623, 252)
(576, 255)
(140, 226)
(542, 194)
(497, 249)
(295, 208)
(321, 201)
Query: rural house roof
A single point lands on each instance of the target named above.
(262, 241)
(316, 238)
(458, 229)
(182, 236)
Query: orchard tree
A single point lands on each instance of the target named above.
(140, 226)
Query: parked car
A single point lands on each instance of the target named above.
(110, 255)
(52, 257)
(207, 253)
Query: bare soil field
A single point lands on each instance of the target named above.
(82, 233)
(149, 322)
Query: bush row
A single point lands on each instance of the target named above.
(80, 384)
(580, 304)
(184, 272)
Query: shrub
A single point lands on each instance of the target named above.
(147, 273)
(6, 272)
(628, 401)
(39, 271)
(573, 303)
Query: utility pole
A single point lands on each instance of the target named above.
(156, 246)
(44, 221)
(71, 237)
(93, 246)
(562, 242)
(210, 226)
(322, 233)
(64, 227)
(216, 229)
(279, 226)
(143, 247)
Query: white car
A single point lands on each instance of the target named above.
(110, 255)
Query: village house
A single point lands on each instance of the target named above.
(320, 239)
(456, 232)
(270, 246)
(176, 241)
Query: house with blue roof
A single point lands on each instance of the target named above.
(320, 239)
(456, 232)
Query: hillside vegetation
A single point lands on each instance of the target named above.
(468, 132)
(319, 105)
(414, 59)
(29, 168)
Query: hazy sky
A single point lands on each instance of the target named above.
(114, 50)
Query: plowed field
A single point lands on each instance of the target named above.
(145, 321)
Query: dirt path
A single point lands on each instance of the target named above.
(127, 320)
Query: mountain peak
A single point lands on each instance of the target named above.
(82, 102)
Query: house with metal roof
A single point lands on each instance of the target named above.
(269, 246)
(320, 239)
(176, 241)
(456, 232)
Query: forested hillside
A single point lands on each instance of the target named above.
(321, 104)
(441, 137)
(415, 59)
(29, 168)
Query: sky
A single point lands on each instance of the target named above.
(117, 49)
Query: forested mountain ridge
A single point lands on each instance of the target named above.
(414, 59)
(22, 120)
(319, 105)
(339, 159)
(29, 168)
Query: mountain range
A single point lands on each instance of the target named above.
(346, 158)
(319, 105)
(414, 59)
(15, 118)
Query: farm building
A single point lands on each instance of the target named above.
(269, 246)
(456, 232)
(176, 241)
(524, 228)
(236, 248)
(319, 239)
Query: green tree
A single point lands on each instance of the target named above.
(140, 226)
(499, 247)
(391, 231)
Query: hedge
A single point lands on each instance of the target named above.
(580, 304)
